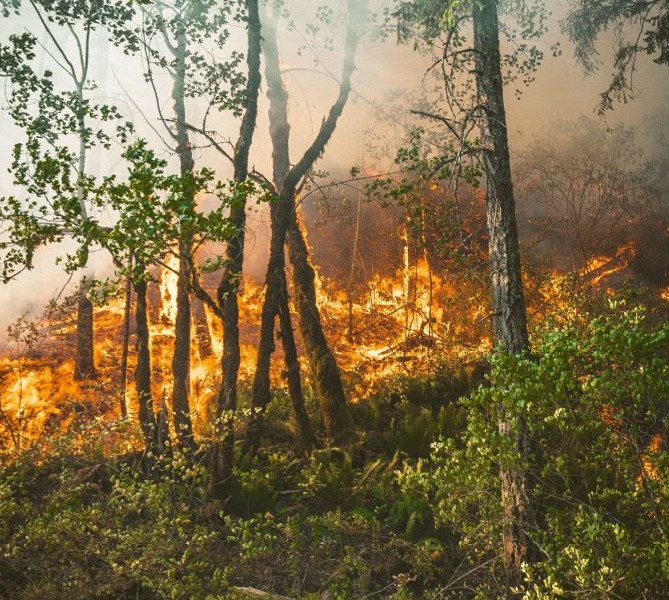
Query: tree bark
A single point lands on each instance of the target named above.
(84, 363)
(508, 318)
(228, 289)
(336, 416)
(147, 420)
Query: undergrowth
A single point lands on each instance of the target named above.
(409, 510)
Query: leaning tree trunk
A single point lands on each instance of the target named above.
(274, 283)
(280, 213)
(508, 305)
(286, 181)
(305, 433)
(336, 416)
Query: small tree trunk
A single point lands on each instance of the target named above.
(336, 416)
(146, 416)
(508, 305)
(125, 345)
(304, 431)
(181, 358)
(84, 362)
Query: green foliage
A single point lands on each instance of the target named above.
(649, 21)
(156, 209)
(409, 412)
(594, 400)
(328, 478)
(106, 531)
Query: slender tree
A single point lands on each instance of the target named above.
(508, 305)
(286, 181)
(228, 288)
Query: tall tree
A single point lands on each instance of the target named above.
(509, 320)
(229, 285)
(478, 106)
(286, 181)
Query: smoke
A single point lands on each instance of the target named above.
(373, 126)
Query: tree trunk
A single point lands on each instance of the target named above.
(181, 358)
(305, 433)
(280, 212)
(146, 416)
(228, 289)
(84, 363)
(182, 328)
(125, 345)
(508, 305)
(336, 416)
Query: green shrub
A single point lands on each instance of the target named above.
(595, 400)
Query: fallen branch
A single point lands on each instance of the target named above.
(255, 593)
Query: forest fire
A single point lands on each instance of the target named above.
(599, 268)
(402, 319)
(390, 327)
(303, 346)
